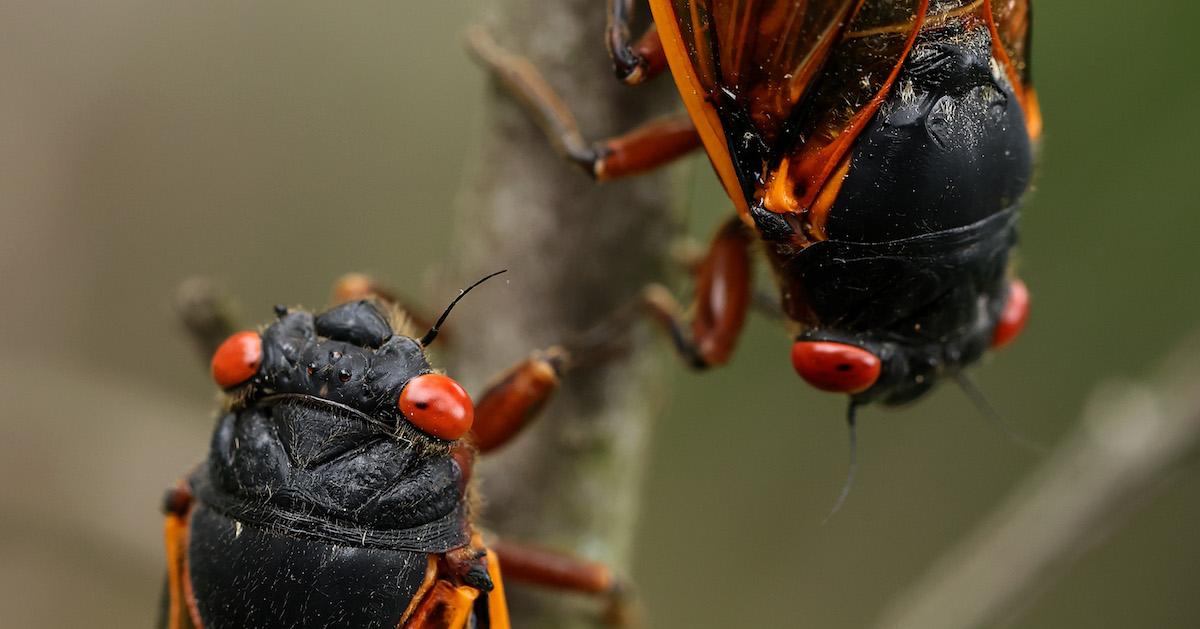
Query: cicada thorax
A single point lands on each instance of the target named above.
(337, 487)
(889, 219)
(331, 488)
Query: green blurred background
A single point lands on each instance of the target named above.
(275, 145)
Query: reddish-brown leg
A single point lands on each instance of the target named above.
(634, 62)
(690, 255)
(515, 397)
(723, 294)
(649, 146)
(537, 566)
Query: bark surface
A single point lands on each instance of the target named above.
(576, 251)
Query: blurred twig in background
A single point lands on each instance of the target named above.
(1132, 437)
(208, 314)
(576, 252)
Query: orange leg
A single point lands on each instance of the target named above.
(545, 568)
(634, 62)
(723, 294)
(515, 397)
(649, 146)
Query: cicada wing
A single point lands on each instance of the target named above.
(860, 73)
(1013, 27)
(1012, 34)
(741, 67)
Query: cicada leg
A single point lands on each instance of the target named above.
(506, 406)
(689, 254)
(633, 61)
(508, 403)
(652, 145)
(515, 397)
(541, 567)
(723, 295)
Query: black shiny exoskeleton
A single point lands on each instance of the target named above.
(913, 266)
(337, 488)
(319, 504)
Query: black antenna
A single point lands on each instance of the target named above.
(851, 416)
(989, 412)
(433, 332)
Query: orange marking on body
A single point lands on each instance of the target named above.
(818, 216)
(1033, 114)
(497, 603)
(189, 594)
(708, 125)
(423, 589)
(779, 193)
(816, 165)
(1006, 62)
(173, 535)
(446, 606)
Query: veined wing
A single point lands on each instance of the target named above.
(1012, 35)
(855, 81)
(742, 66)
(1012, 22)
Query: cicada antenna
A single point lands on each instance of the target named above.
(851, 427)
(433, 331)
(980, 401)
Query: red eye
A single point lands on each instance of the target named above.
(836, 367)
(1013, 317)
(237, 359)
(438, 406)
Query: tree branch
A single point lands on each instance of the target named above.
(1131, 439)
(576, 253)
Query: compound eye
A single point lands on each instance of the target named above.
(438, 406)
(836, 367)
(237, 359)
(1013, 317)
